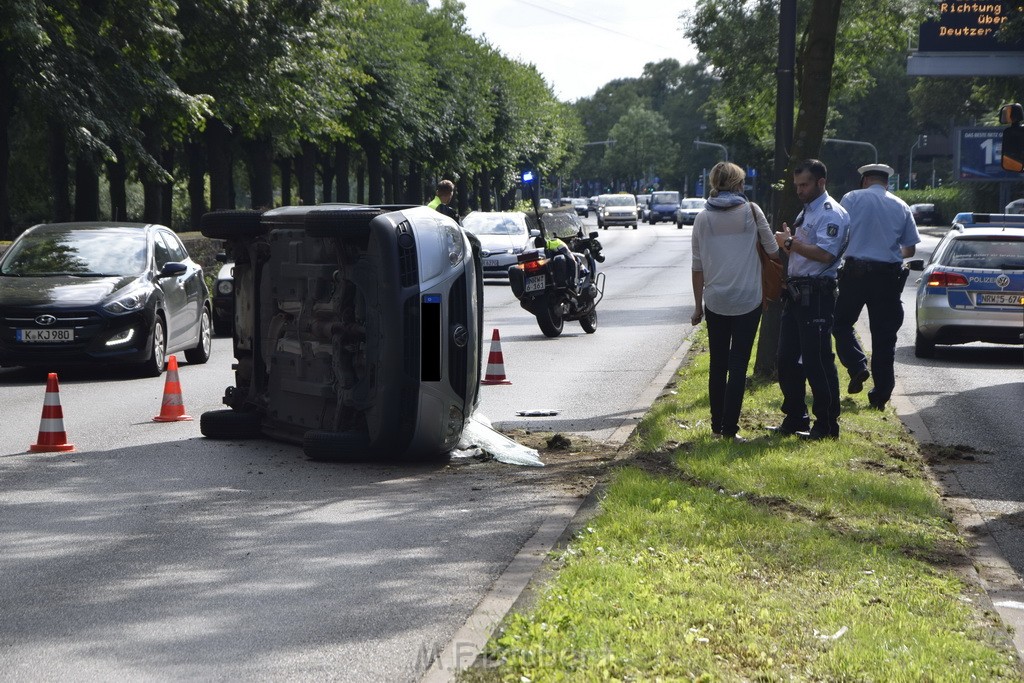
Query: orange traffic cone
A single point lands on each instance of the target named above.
(52, 438)
(172, 409)
(495, 363)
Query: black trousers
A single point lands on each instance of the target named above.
(730, 340)
(805, 357)
(879, 287)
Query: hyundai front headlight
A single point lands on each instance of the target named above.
(129, 300)
(455, 244)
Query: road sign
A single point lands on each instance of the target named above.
(979, 155)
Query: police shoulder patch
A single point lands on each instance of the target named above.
(832, 230)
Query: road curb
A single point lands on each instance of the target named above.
(468, 642)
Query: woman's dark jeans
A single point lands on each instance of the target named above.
(730, 338)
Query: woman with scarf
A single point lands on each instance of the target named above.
(727, 289)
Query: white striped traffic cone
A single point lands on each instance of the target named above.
(173, 408)
(495, 363)
(52, 438)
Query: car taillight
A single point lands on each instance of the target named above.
(940, 278)
(534, 266)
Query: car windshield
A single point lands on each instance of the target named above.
(997, 253)
(693, 204)
(80, 252)
(665, 198)
(620, 200)
(495, 224)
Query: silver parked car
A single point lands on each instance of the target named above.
(972, 288)
(357, 329)
(503, 236)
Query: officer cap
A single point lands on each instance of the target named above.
(876, 169)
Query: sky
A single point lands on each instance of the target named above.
(579, 45)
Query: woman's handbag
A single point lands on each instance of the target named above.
(772, 280)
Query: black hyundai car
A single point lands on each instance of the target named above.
(102, 293)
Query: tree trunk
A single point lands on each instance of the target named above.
(167, 187)
(117, 175)
(57, 161)
(87, 190)
(218, 159)
(398, 192)
(342, 161)
(307, 173)
(414, 183)
(361, 182)
(326, 175)
(260, 153)
(195, 158)
(7, 95)
(389, 183)
(817, 55)
(374, 171)
(285, 166)
(462, 194)
(152, 185)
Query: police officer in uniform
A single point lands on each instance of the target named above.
(445, 192)
(882, 234)
(805, 338)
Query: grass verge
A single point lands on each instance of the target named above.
(775, 559)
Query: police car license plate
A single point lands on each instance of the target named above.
(1001, 299)
(535, 284)
(490, 263)
(45, 336)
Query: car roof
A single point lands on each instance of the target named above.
(94, 225)
(973, 221)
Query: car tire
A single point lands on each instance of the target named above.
(634, 226)
(230, 424)
(589, 322)
(923, 348)
(336, 446)
(154, 365)
(651, 221)
(551, 322)
(232, 225)
(679, 226)
(351, 225)
(600, 225)
(201, 352)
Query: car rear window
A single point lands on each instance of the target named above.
(665, 198)
(994, 253)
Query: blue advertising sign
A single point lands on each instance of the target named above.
(699, 188)
(979, 155)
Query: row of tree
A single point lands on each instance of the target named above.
(361, 100)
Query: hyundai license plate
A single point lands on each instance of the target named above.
(1000, 299)
(45, 336)
(535, 283)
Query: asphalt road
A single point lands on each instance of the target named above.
(153, 553)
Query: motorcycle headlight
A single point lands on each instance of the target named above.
(455, 244)
(129, 300)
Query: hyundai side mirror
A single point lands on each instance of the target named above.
(173, 269)
(534, 233)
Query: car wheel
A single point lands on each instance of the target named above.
(550, 319)
(231, 225)
(600, 225)
(589, 322)
(651, 220)
(201, 353)
(354, 224)
(679, 226)
(923, 348)
(634, 226)
(154, 366)
(335, 446)
(230, 424)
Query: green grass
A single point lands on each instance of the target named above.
(777, 559)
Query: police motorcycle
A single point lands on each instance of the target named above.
(559, 280)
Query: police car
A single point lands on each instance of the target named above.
(972, 289)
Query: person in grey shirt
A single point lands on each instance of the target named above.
(726, 273)
(882, 234)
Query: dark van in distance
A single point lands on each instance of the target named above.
(663, 207)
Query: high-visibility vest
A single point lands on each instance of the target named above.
(434, 203)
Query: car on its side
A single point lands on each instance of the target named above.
(972, 288)
(616, 209)
(224, 300)
(503, 236)
(925, 214)
(663, 207)
(688, 210)
(102, 293)
(581, 206)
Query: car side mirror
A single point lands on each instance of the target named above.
(916, 264)
(535, 233)
(173, 269)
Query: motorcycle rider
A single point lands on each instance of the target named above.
(555, 246)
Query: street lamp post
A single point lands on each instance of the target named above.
(701, 143)
(854, 142)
